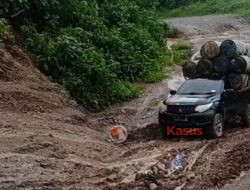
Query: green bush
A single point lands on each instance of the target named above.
(4, 29)
(96, 48)
(205, 7)
(180, 51)
(172, 4)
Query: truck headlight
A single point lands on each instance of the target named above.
(163, 107)
(203, 108)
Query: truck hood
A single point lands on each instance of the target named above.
(191, 99)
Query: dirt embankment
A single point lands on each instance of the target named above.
(46, 142)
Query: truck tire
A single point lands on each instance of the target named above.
(245, 116)
(216, 129)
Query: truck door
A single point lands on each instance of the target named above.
(230, 101)
(241, 101)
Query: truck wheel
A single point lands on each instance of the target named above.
(216, 130)
(245, 116)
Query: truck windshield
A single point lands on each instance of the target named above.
(201, 86)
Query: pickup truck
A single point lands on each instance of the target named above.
(207, 104)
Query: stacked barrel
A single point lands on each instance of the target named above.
(227, 59)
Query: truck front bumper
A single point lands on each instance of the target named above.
(195, 120)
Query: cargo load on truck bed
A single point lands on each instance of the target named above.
(228, 59)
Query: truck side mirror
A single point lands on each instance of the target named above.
(173, 92)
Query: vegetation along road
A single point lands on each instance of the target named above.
(49, 141)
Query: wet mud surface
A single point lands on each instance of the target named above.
(48, 142)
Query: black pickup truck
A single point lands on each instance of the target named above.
(206, 104)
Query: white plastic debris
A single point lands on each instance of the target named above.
(118, 134)
(148, 172)
(152, 186)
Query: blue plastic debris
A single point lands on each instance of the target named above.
(178, 161)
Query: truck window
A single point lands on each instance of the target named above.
(201, 86)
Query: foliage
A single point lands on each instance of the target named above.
(205, 7)
(172, 4)
(96, 48)
(173, 33)
(4, 29)
(180, 51)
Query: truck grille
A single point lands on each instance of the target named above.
(176, 109)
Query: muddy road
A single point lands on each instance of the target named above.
(211, 164)
(48, 142)
(203, 28)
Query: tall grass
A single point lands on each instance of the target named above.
(239, 7)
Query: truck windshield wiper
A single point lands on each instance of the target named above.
(191, 93)
(199, 93)
(208, 93)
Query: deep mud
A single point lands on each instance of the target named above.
(48, 142)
